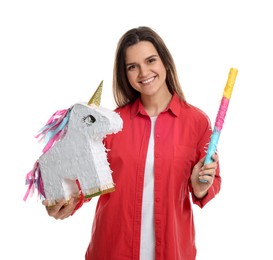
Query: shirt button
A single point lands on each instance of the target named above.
(158, 243)
(157, 199)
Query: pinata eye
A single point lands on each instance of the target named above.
(89, 120)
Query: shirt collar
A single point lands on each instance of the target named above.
(173, 107)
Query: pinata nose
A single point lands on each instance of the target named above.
(95, 99)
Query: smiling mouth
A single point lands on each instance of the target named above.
(147, 81)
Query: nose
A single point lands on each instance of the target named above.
(143, 70)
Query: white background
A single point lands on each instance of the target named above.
(55, 53)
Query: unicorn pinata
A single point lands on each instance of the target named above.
(74, 157)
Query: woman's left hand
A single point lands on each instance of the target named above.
(202, 176)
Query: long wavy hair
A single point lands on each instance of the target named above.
(123, 92)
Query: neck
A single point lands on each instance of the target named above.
(154, 105)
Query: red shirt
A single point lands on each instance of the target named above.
(182, 133)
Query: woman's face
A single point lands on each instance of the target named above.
(145, 70)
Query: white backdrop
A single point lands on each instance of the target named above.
(55, 53)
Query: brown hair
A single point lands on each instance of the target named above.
(122, 90)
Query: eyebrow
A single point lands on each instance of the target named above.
(152, 56)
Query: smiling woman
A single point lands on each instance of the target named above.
(153, 189)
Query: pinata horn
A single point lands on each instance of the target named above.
(95, 99)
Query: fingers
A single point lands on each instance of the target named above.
(208, 171)
(62, 209)
(215, 157)
(206, 178)
(68, 208)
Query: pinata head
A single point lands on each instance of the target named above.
(95, 99)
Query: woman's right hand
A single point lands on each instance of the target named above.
(63, 208)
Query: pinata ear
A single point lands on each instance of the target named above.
(95, 99)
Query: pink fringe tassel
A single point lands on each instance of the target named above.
(34, 180)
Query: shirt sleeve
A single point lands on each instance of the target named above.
(213, 190)
(82, 200)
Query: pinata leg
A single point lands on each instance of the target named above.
(96, 188)
(70, 188)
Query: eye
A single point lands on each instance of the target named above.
(151, 60)
(131, 67)
(89, 120)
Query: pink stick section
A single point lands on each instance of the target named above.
(221, 114)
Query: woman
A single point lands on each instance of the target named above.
(157, 160)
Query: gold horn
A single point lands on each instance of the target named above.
(95, 99)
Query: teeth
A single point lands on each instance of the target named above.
(147, 81)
